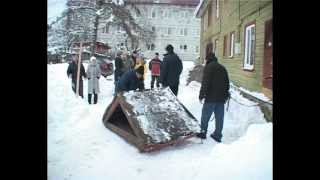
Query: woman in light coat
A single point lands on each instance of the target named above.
(93, 75)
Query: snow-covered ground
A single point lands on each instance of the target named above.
(81, 148)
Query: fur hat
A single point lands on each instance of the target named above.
(92, 58)
(169, 48)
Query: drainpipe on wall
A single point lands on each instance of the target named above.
(239, 9)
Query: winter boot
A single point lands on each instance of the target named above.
(215, 138)
(202, 135)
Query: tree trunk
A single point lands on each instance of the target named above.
(95, 30)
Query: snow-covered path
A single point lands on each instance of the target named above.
(81, 148)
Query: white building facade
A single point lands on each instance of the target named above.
(172, 21)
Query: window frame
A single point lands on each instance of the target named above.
(216, 42)
(153, 11)
(231, 44)
(246, 66)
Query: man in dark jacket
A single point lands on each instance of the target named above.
(119, 67)
(72, 72)
(154, 67)
(131, 80)
(171, 69)
(215, 90)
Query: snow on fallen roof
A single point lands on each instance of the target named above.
(198, 8)
(160, 115)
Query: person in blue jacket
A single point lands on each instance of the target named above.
(131, 80)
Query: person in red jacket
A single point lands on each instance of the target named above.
(154, 66)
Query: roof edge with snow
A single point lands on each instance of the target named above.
(200, 9)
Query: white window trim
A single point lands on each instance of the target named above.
(247, 49)
(232, 44)
(216, 44)
(217, 8)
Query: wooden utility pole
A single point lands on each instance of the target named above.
(79, 67)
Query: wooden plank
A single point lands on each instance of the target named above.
(134, 126)
(154, 147)
(127, 136)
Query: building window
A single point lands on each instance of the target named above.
(169, 31)
(185, 47)
(153, 29)
(106, 29)
(165, 14)
(160, 13)
(217, 8)
(169, 14)
(185, 31)
(197, 49)
(152, 47)
(182, 14)
(231, 44)
(181, 31)
(148, 46)
(249, 49)
(153, 14)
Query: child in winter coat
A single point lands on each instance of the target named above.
(141, 62)
(154, 67)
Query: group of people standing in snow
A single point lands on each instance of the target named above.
(130, 73)
(166, 72)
